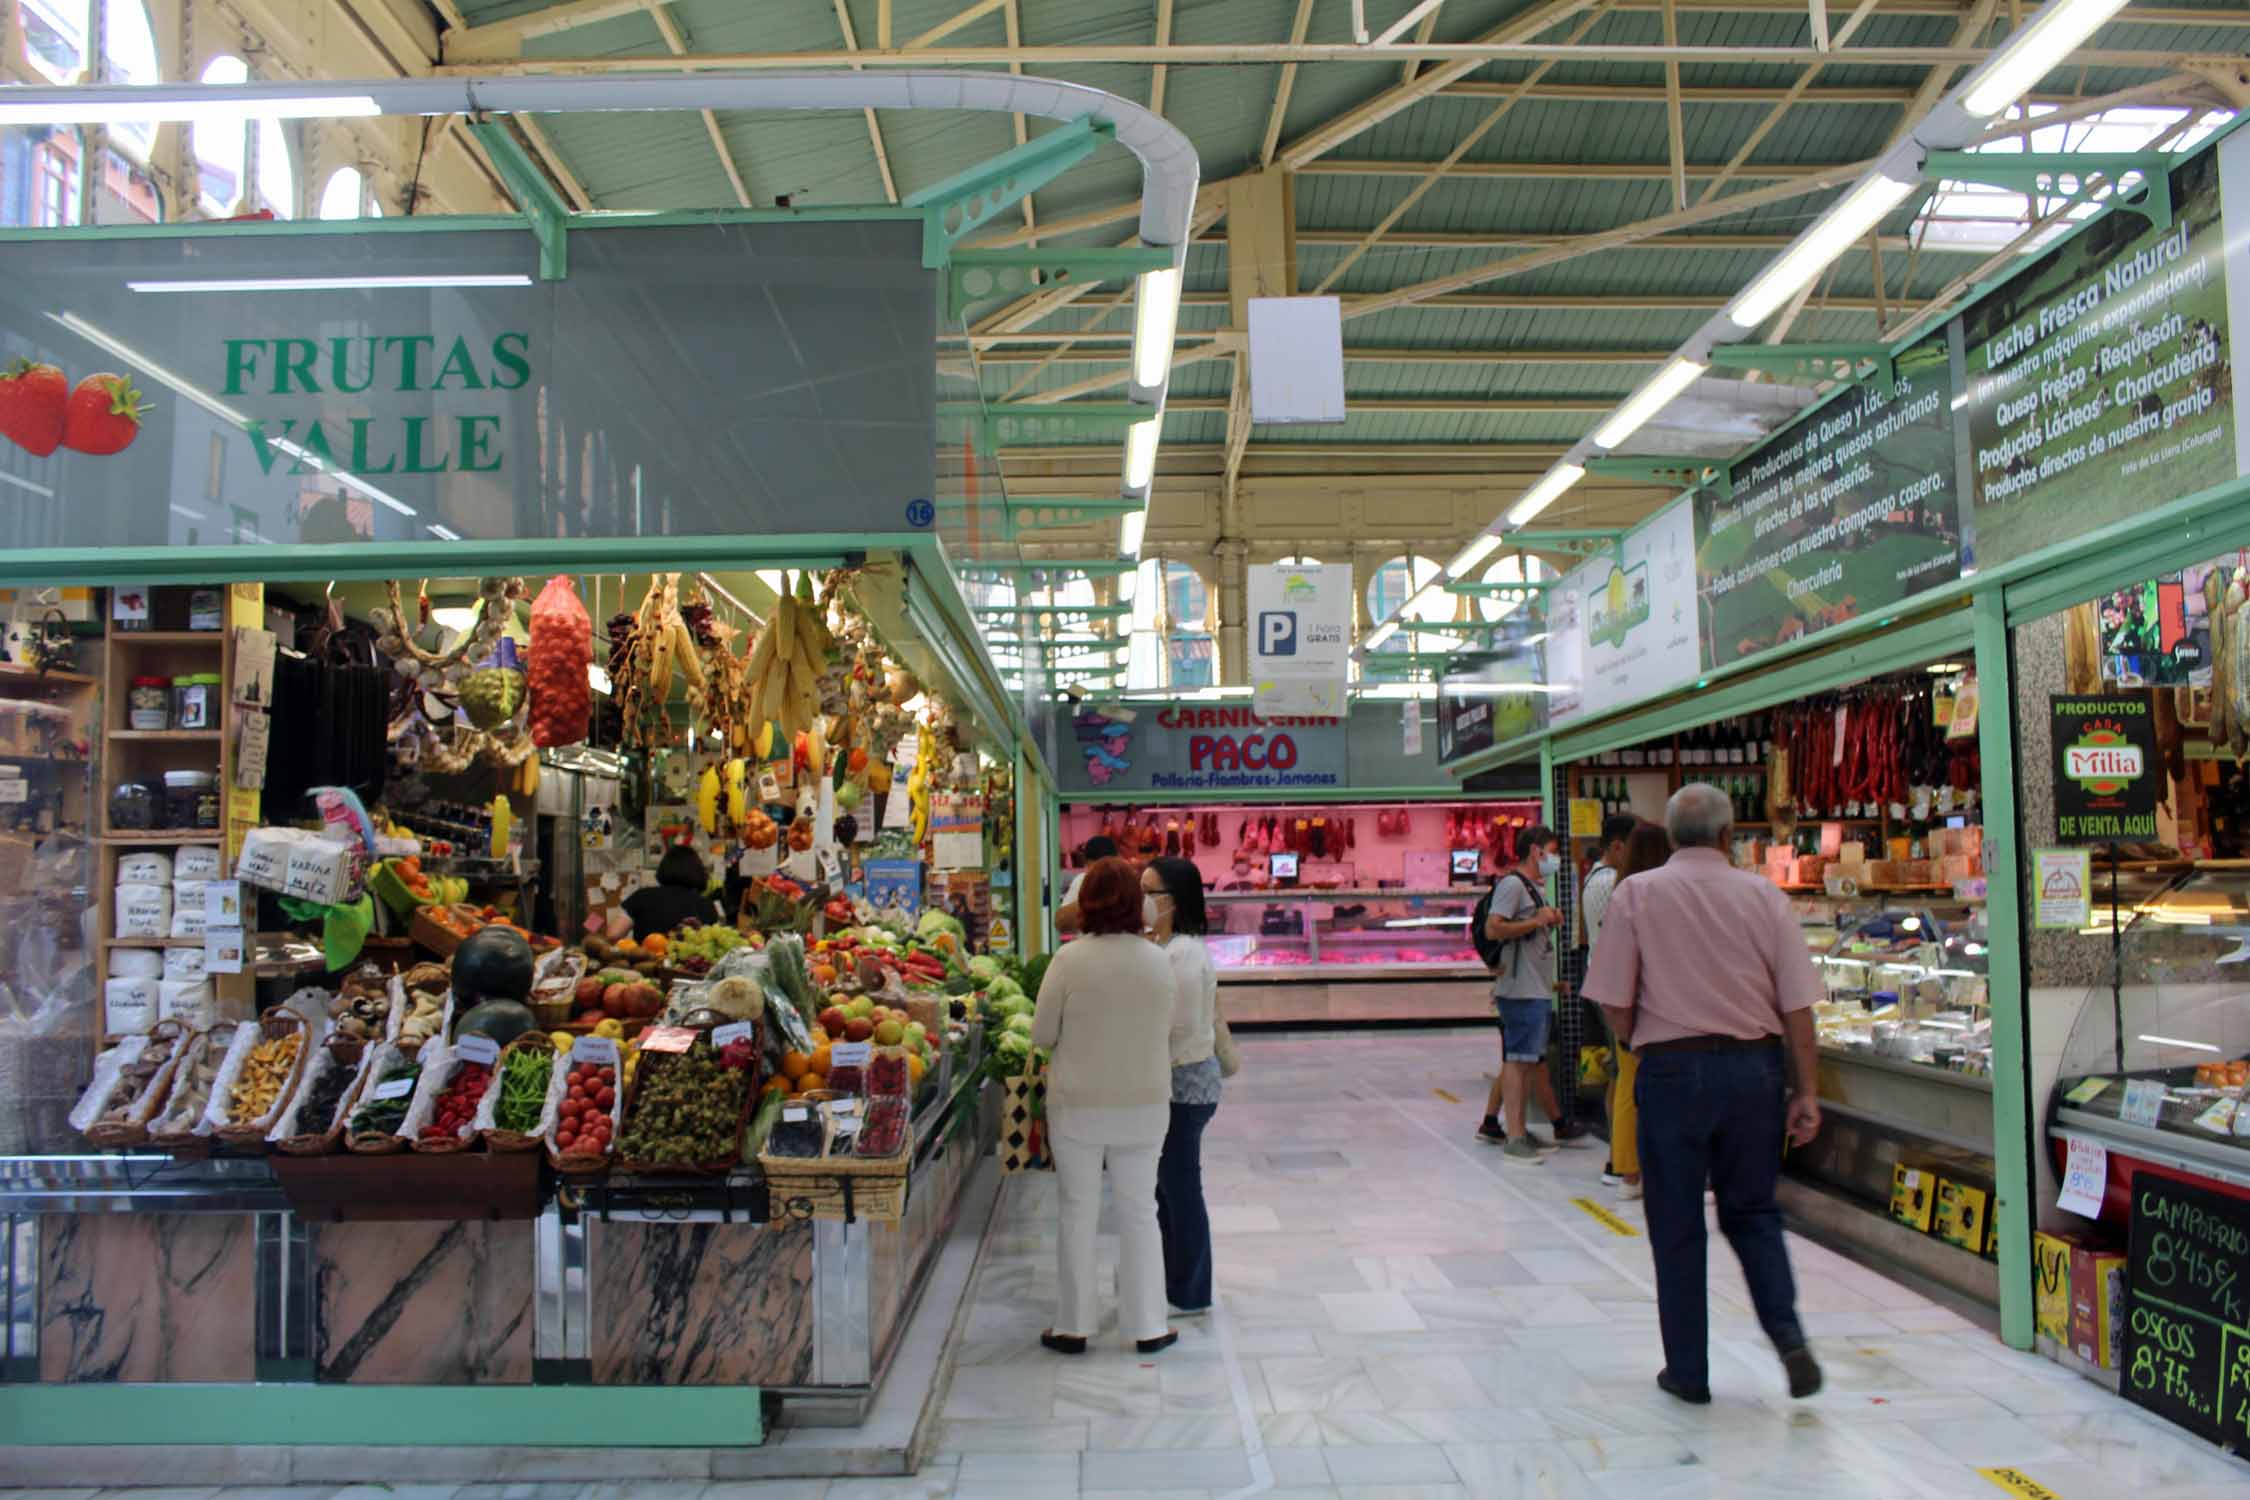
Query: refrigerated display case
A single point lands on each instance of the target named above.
(2159, 1054)
(1348, 955)
(1905, 1054)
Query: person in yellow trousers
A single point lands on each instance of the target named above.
(1623, 1170)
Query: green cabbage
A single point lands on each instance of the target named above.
(985, 969)
(1018, 1025)
(934, 922)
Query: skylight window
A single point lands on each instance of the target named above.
(1975, 216)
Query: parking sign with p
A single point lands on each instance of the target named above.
(1277, 632)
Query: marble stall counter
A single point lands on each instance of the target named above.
(423, 1303)
(701, 1304)
(147, 1298)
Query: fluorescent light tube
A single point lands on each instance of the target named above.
(1130, 531)
(1476, 552)
(1126, 586)
(1676, 376)
(2173, 1041)
(1140, 453)
(2033, 52)
(1846, 223)
(1545, 492)
(1382, 633)
(161, 106)
(1156, 313)
(328, 283)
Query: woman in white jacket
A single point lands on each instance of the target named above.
(1105, 1013)
(1172, 889)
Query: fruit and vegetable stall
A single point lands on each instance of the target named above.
(490, 1138)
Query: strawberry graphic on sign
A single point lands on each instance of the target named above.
(2102, 760)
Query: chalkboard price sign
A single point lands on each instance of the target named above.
(2187, 1344)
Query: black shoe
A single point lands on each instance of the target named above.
(1566, 1134)
(1158, 1345)
(1695, 1395)
(1804, 1371)
(1492, 1135)
(1063, 1343)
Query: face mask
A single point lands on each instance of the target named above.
(1549, 864)
(1149, 911)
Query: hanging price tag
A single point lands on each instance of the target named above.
(667, 1039)
(734, 1030)
(850, 1054)
(396, 1088)
(477, 1049)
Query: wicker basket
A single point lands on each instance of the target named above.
(425, 1105)
(185, 1141)
(275, 1025)
(133, 1130)
(584, 1163)
(804, 1188)
(717, 1166)
(496, 1139)
(346, 1054)
(375, 1142)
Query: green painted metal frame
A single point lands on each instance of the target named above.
(1092, 567)
(975, 276)
(1074, 611)
(1001, 424)
(534, 194)
(1683, 474)
(412, 1416)
(1813, 358)
(2013, 1120)
(1498, 590)
(1446, 793)
(965, 202)
(2039, 173)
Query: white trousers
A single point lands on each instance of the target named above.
(1140, 1265)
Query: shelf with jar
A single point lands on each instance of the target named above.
(167, 818)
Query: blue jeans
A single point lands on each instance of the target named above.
(1180, 1213)
(1715, 1116)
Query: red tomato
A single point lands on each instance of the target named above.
(609, 1075)
(572, 1109)
(607, 1097)
(565, 1139)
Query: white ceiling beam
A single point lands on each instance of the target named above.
(1423, 405)
(1563, 171)
(1156, 73)
(1423, 14)
(1015, 39)
(1461, 57)
(874, 127)
(965, 16)
(1819, 9)
(1288, 81)
(1782, 106)
(1431, 178)
(1698, 96)
(1505, 302)
(1674, 116)
(1853, 22)
(1422, 33)
(666, 27)
(1364, 354)
(505, 38)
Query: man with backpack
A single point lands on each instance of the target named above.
(1516, 927)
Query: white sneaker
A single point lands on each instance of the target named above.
(1628, 1191)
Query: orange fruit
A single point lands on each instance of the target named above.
(819, 1063)
(777, 1085)
(657, 945)
(811, 1082)
(915, 1067)
(794, 1065)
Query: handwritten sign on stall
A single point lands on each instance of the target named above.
(2187, 1342)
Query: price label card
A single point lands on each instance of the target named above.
(222, 903)
(2085, 1179)
(2144, 1101)
(14, 789)
(477, 1049)
(395, 1088)
(2087, 1090)
(795, 1113)
(667, 1039)
(744, 1030)
(851, 1054)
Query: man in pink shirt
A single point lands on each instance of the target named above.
(1702, 968)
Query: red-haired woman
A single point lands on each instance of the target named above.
(1105, 1013)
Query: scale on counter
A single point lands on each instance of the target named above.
(1467, 865)
(1283, 868)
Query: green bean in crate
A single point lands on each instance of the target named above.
(523, 1090)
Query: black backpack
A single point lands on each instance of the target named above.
(1492, 951)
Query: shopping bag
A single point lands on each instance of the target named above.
(1023, 1122)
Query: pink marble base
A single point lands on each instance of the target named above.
(701, 1304)
(147, 1297)
(424, 1303)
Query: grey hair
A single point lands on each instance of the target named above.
(1698, 816)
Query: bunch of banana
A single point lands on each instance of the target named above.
(736, 778)
(918, 783)
(786, 667)
(659, 646)
(707, 800)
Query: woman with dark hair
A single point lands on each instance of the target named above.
(1105, 1015)
(680, 895)
(1647, 847)
(1172, 893)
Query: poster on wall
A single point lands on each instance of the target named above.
(1622, 626)
(2100, 379)
(1300, 637)
(1849, 511)
(2107, 780)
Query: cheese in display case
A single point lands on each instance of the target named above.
(1907, 984)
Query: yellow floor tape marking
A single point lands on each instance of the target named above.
(2016, 1483)
(1448, 1098)
(1606, 1219)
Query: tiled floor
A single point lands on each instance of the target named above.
(1403, 1318)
